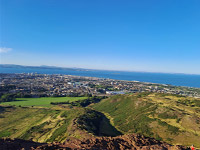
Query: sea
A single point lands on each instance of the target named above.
(187, 80)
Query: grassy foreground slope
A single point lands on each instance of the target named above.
(52, 124)
(42, 101)
(170, 118)
(38, 124)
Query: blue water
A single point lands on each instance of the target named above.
(163, 78)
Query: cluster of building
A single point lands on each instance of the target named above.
(67, 85)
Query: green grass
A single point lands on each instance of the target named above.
(38, 124)
(43, 101)
(5, 134)
(166, 117)
(53, 124)
(162, 116)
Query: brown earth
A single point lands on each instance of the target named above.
(131, 141)
(17, 144)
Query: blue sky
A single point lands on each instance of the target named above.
(134, 35)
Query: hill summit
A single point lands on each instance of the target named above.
(131, 141)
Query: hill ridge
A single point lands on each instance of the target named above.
(130, 141)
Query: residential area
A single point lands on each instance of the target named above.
(39, 85)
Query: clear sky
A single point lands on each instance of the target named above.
(134, 35)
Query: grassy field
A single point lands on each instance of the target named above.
(43, 101)
(170, 118)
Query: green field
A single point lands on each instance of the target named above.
(42, 101)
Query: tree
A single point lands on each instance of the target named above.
(7, 97)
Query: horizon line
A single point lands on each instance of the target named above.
(104, 69)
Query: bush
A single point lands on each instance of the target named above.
(7, 97)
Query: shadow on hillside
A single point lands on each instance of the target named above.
(5, 109)
(106, 128)
(96, 123)
(2, 109)
(16, 100)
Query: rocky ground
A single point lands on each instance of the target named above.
(18, 144)
(132, 141)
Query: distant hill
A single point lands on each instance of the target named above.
(40, 67)
(171, 118)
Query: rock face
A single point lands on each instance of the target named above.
(17, 144)
(132, 141)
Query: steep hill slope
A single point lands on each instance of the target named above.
(53, 124)
(170, 118)
(38, 124)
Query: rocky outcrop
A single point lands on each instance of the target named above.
(132, 141)
(18, 144)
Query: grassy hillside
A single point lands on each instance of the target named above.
(42, 101)
(52, 124)
(171, 118)
(39, 124)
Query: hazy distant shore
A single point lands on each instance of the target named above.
(161, 78)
